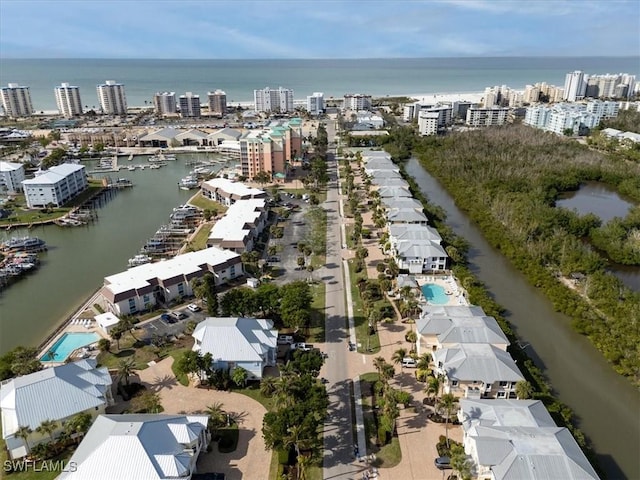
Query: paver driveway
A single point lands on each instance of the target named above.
(250, 461)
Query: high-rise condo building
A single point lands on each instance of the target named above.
(268, 100)
(217, 103)
(165, 103)
(575, 86)
(315, 103)
(16, 101)
(68, 100)
(189, 105)
(112, 98)
(270, 150)
(356, 102)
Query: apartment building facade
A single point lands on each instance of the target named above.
(165, 103)
(356, 101)
(11, 177)
(16, 101)
(270, 150)
(315, 103)
(273, 100)
(55, 186)
(68, 100)
(217, 101)
(487, 117)
(112, 98)
(190, 105)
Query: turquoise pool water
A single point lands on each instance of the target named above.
(67, 344)
(435, 294)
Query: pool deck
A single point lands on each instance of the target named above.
(83, 321)
(455, 293)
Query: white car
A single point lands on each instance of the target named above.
(409, 362)
(192, 307)
(285, 339)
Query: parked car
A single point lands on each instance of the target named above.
(192, 307)
(180, 315)
(305, 347)
(285, 339)
(442, 463)
(167, 317)
(409, 362)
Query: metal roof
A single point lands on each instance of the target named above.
(468, 362)
(54, 393)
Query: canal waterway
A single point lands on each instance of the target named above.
(605, 203)
(606, 405)
(78, 258)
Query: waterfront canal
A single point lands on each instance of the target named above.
(78, 258)
(606, 405)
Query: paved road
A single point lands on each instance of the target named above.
(339, 459)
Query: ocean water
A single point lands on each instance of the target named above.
(238, 78)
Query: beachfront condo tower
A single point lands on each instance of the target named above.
(356, 102)
(217, 103)
(165, 103)
(268, 100)
(189, 105)
(315, 103)
(112, 98)
(68, 100)
(16, 101)
(575, 86)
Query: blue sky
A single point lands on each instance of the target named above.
(317, 29)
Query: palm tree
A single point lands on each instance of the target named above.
(23, 433)
(125, 369)
(378, 363)
(47, 427)
(433, 387)
(79, 424)
(303, 463)
(239, 376)
(398, 356)
(412, 338)
(217, 417)
(423, 361)
(448, 404)
(268, 386)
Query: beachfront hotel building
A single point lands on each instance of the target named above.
(55, 186)
(189, 105)
(154, 284)
(271, 149)
(272, 100)
(68, 100)
(165, 103)
(11, 177)
(315, 103)
(112, 98)
(217, 103)
(16, 101)
(356, 101)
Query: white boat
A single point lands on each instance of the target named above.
(189, 182)
(139, 260)
(131, 168)
(155, 166)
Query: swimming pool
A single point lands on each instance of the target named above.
(67, 344)
(435, 294)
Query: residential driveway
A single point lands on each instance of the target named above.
(251, 460)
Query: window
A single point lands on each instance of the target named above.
(502, 395)
(504, 384)
(454, 383)
(132, 305)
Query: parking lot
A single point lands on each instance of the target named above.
(170, 327)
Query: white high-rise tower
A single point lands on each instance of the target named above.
(112, 98)
(68, 100)
(575, 85)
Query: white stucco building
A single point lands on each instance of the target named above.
(55, 186)
(68, 100)
(315, 103)
(11, 177)
(273, 100)
(112, 98)
(16, 100)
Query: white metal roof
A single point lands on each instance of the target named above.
(232, 227)
(137, 447)
(232, 187)
(477, 362)
(140, 276)
(52, 394)
(503, 413)
(54, 174)
(232, 339)
(10, 166)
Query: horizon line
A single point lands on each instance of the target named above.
(319, 58)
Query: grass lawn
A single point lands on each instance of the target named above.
(228, 438)
(369, 344)
(199, 240)
(388, 455)
(141, 356)
(348, 231)
(253, 391)
(207, 204)
(317, 325)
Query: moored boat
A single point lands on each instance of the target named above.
(25, 244)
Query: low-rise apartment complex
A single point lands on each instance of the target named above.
(55, 186)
